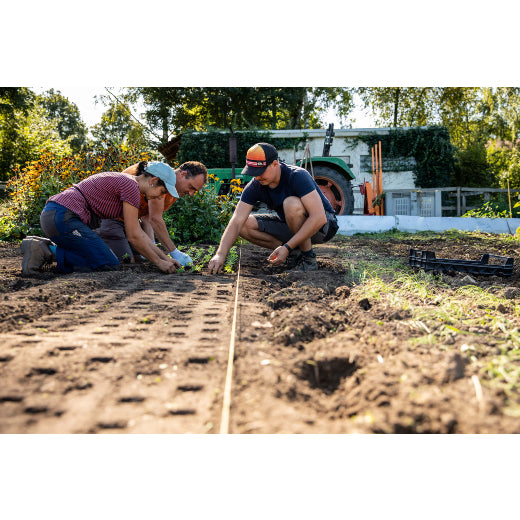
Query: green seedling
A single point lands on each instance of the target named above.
(231, 260)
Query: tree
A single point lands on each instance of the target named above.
(472, 168)
(504, 161)
(25, 131)
(399, 106)
(171, 110)
(66, 116)
(459, 109)
(15, 98)
(501, 113)
(118, 126)
(15, 102)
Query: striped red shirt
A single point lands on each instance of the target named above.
(105, 193)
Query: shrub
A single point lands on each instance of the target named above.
(33, 184)
(472, 168)
(202, 217)
(492, 210)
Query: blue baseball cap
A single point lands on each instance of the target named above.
(165, 173)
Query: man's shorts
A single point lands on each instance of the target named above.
(274, 225)
(112, 231)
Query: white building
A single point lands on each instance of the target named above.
(354, 152)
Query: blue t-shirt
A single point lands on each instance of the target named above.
(294, 182)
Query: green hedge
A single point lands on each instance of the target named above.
(430, 147)
(212, 148)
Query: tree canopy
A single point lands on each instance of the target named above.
(171, 110)
(118, 126)
(483, 123)
(30, 123)
(66, 116)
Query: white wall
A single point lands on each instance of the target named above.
(350, 225)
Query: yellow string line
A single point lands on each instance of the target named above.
(224, 421)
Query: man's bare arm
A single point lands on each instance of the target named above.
(229, 236)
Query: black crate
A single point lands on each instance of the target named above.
(426, 260)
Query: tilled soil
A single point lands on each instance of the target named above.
(137, 351)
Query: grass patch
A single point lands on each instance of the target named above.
(479, 322)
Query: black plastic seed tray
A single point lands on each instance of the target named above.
(426, 260)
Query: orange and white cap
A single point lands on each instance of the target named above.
(258, 158)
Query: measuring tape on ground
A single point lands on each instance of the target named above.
(226, 403)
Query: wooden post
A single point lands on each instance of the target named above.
(458, 202)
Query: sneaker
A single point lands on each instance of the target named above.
(36, 252)
(306, 263)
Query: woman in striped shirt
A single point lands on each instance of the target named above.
(68, 218)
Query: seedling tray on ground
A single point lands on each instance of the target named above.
(426, 260)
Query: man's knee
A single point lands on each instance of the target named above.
(293, 207)
(250, 225)
(111, 229)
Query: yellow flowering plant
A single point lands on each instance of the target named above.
(31, 186)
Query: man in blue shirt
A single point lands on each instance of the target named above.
(304, 216)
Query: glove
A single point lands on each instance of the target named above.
(182, 258)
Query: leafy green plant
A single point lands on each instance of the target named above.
(202, 217)
(231, 260)
(491, 210)
(202, 254)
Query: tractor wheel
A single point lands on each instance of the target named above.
(337, 189)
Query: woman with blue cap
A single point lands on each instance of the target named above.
(69, 218)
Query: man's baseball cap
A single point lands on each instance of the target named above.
(258, 158)
(165, 173)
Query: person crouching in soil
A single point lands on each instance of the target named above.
(304, 216)
(190, 178)
(68, 220)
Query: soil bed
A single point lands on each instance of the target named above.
(137, 351)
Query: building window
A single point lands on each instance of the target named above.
(365, 163)
(402, 164)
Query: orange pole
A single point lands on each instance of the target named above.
(376, 187)
(373, 171)
(380, 189)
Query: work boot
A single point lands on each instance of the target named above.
(35, 252)
(306, 262)
(293, 257)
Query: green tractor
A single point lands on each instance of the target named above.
(332, 174)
